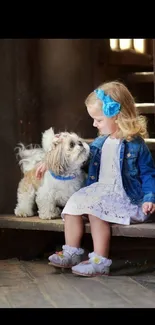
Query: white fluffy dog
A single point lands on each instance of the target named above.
(64, 154)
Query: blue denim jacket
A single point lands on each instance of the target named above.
(137, 168)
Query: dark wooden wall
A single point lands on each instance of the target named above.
(69, 71)
(43, 83)
(19, 107)
(66, 70)
(8, 128)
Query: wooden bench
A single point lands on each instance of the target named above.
(146, 230)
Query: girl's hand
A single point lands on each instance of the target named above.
(148, 207)
(40, 170)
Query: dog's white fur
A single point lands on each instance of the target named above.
(64, 154)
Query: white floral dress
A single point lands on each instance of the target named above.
(106, 199)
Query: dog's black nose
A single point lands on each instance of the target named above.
(80, 144)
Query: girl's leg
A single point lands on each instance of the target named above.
(74, 228)
(98, 263)
(100, 231)
(72, 253)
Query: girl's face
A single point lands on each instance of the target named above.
(104, 124)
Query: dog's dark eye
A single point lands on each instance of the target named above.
(72, 144)
(80, 144)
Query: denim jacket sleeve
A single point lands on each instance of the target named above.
(147, 173)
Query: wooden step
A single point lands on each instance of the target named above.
(141, 77)
(146, 108)
(127, 58)
(150, 143)
(146, 230)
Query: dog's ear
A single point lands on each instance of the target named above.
(47, 139)
(55, 158)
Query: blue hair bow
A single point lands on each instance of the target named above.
(110, 107)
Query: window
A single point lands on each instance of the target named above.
(138, 45)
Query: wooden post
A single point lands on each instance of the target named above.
(19, 111)
(154, 65)
(26, 90)
(154, 71)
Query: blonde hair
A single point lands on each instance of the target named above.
(129, 122)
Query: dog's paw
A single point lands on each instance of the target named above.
(19, 212)
(55, 214)
(44, 216)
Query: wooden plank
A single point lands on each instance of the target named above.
(50, 290)
(146, 230)
(143, 77)
(150, 143)
(129, 290)
(127, 58)
(44, 288)
(146, 108)
(31, 223)
(96, 290)
(18, 288)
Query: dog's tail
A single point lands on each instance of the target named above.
(28, 157)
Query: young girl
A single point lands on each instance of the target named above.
(120, 186)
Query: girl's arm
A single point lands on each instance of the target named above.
(147, 175)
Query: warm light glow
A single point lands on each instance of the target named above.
(139, 45)
(114, 44)
(125, 44)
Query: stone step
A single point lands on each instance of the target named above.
(146, 108)
(141, 77)
(146, 230)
